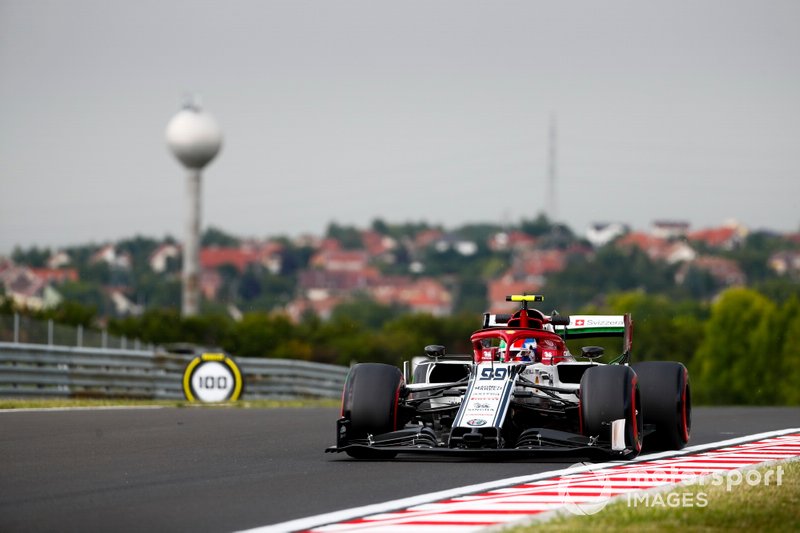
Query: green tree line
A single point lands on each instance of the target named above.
(743, 349)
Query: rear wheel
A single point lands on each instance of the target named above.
(608, 393)
(666, 402)
(370, 402)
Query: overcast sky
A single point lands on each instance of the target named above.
(407, 111)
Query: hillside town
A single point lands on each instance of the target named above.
(421, 270)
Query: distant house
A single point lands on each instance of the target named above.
(210, 284)
(323, 291)
(109, 255)
(424, 295)
(601, 233)
(122, 304)
(498, 289)
(328, 245)
(56, 276)
(538, 263)
(317, 284)
(528, 273)
(340, 260)
(511, 240)
(323, 308)
(378, 246)
(658, 248)
(26, 289)
(670, 229)
(333, 276)
(427, 238)
(213, 257)
(727, 237)
(307, 241)
(270, 255)
(785, 262)
(336, 275)
(161, 256)
(461, 246)
(59, 260)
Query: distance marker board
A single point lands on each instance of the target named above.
(211, 378)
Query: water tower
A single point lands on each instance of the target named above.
(195, 138)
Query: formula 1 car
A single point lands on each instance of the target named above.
(521, 393)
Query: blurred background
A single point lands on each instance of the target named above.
(381, 158)
(348, 111)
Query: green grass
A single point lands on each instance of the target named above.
(746, 508)
(53, 403)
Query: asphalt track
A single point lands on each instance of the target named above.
(228, 469)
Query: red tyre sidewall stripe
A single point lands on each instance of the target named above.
(637, 445)
(684, 420)
(396, 403)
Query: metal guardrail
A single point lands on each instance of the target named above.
(60, 371)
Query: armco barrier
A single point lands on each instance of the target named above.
(42, 370)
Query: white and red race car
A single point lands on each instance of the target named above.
(520, 393)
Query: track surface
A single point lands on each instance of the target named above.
(227, 469)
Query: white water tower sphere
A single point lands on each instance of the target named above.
(194, 137)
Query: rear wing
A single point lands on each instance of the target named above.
(585, 326)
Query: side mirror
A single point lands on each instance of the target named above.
(559, 320)
(592, 352)
(434, 351)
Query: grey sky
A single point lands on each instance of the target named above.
(432, 110)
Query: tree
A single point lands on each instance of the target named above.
(139, 248)
(260, 335)
(406, 230)
(348, 236)
(789, 392)
(537, 227)
(367, 312)
(33, 257)
(471, 295)
(700, 284)
(84, 294)
(589, 278)
(250, 287)
(736, 362)
(478, 232)
(662, 329)
(216, 237)
(73, 314)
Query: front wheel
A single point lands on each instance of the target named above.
(370, 403)
(667, 403)
(609, 393)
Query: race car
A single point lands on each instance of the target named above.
(521, 393)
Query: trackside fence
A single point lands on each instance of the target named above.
(27, 330)
(36, 370)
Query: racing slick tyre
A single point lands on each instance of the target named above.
(370, 402)
(608, 393)
(666, 403)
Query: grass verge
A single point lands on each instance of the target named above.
(760, 507)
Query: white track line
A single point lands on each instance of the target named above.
(399, 505)
(98, 408)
